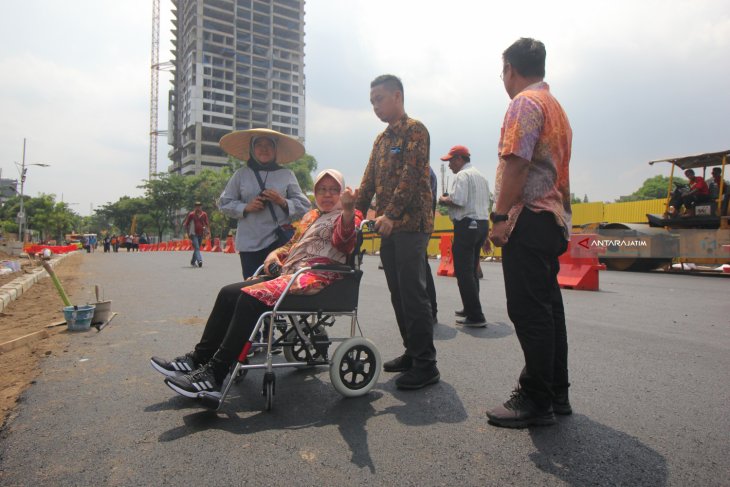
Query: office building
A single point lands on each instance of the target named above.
(239, 64)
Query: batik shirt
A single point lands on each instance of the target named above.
(536, 128)
(321, 238)
(398, 174)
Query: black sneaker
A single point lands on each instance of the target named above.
(193, 263)
(561, 404)
(200, 380)
(520, 412)
(400, 364)
(200, 263)
(176, 367)
(418, 377)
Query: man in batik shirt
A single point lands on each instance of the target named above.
(531, 222)
(398, 174)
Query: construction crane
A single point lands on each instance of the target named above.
(154, 87)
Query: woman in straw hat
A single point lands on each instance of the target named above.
(264, 196)
(326, 235)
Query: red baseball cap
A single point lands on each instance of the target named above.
(457, 150)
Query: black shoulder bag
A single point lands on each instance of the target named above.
(282, 235)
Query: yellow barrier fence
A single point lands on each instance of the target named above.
(583, 213)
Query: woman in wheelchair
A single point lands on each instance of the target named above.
(325, 235)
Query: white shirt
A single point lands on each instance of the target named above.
(470, 195)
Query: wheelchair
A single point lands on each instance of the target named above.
(300, 323)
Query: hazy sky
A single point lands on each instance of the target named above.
(639, 79)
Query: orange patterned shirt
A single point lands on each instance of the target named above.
(536, 128)
(399, 176)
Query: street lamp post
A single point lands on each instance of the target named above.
(21, 213)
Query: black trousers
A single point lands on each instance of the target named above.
(431, 289)
(690, 201)
(251, 261)
(535, 304)
(405, 271)
(230, 323)
(466, 248)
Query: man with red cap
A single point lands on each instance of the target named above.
(468, 204)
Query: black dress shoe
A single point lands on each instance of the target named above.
(520, 412)
(561, 404)
(480, 323)
(418, 377)
(400, 364)
(460, 313)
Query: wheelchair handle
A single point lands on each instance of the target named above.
(369, 225)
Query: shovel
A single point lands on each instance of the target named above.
(57, 283)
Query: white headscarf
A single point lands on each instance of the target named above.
(337, 176)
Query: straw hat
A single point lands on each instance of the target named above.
(238, 144)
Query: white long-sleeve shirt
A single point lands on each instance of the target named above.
(470, 194)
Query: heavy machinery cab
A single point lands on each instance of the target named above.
(708, 214)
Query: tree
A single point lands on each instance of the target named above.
(166, 195)
(303, 169)
(651, 189)
(121, 213)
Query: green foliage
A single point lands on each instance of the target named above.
(122, 213)
(653, 188)
(8, 226)
(303, 169)
(51, 219)
(165, 195)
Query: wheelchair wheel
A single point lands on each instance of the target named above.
(297, 352)
(269, 395)
(268, 390)
(355, 367)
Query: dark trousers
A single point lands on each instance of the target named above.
(692, 200)
(250, 261)
(230, 323)
(405, 271)
(466, 247)
(431, 289)
(535, 304)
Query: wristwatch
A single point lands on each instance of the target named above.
(496, 217)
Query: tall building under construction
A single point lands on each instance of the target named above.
(239, 64)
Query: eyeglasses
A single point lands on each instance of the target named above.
(322, 190)
(504, 68)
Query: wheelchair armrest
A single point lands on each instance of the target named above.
(332, 267)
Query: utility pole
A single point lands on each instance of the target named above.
(21, 213)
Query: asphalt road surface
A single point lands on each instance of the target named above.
(649, 365)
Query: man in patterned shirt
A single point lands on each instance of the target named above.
(398, 174)
(532, 222)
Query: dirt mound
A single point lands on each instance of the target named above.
(33, 311)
